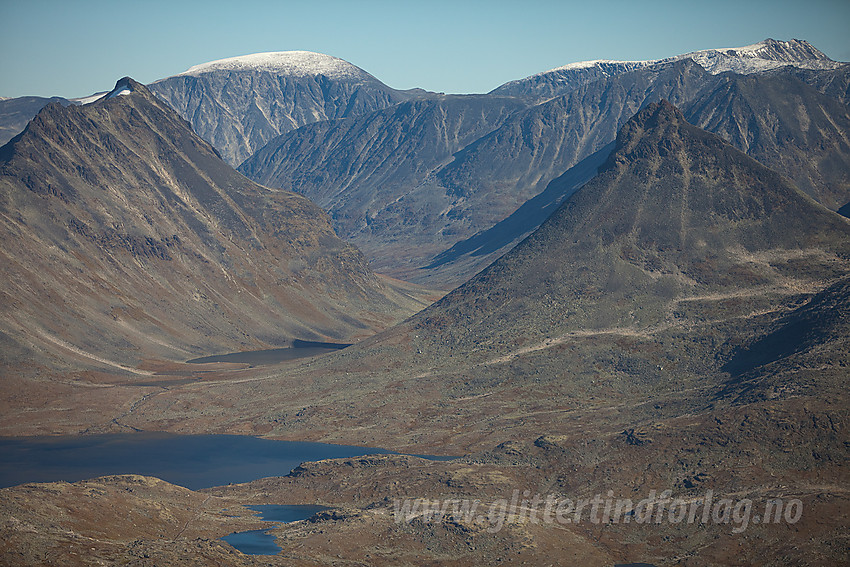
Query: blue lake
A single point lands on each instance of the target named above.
(260, 542)
(193, 461)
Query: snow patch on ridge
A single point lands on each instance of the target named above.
(88, 99)
(123, 91)
(122, 88)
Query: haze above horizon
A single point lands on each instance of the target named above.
(72, 50)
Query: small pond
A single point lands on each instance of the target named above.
(261, 542)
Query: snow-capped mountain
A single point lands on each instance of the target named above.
(240, 103)
(763, 56)
(292, 63)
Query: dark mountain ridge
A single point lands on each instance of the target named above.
(674, 212)
(15, 113)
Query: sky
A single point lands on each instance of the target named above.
(75, 48)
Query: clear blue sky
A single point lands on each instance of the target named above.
(74, 48)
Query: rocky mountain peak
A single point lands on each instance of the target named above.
(756, 58)
(791, 50)
(657, 130)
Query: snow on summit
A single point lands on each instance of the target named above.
(297, 63)
(761, 56)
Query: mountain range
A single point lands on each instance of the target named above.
(644, 284)
(778, 120)
(757, 58)
(512, 153)
(420, 182)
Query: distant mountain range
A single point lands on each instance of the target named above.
(406, 219)
(421, 182)
(126, 238)
(757, 58)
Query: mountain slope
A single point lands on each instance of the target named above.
(375, 174)
(676, 212)
(785, 125)
(239, 104)
(126, 238)
(469, 256)
(834, 83)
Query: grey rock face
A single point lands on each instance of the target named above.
(239, 104)
(379, 175)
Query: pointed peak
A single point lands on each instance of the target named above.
(123, 86)
(659, 112)
(654, 121)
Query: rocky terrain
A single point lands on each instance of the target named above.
(377, 175)
(128, 520)
(15, 113)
